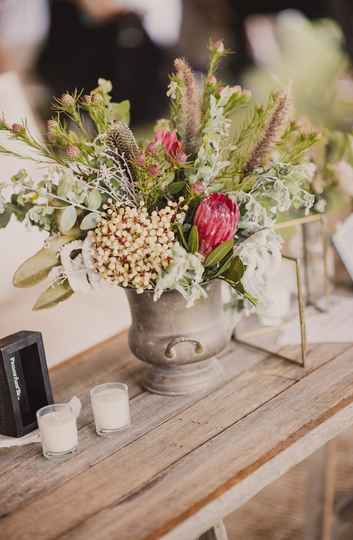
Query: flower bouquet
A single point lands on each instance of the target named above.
(169, 218)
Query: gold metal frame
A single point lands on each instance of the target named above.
(302, 302)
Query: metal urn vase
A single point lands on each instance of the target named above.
(180, 344)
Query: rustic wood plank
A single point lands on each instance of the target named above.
(111, 360)
(207, 449)
(218, 532)
(33, 476)
(321, 469)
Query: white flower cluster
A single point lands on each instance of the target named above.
(209, 162)
(132, 248)
(184, 274)
(261, 254)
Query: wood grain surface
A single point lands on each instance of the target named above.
(186, 461)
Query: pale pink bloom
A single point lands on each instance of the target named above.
(140, 160)
(173, 146)
(199, 187)
(154, 169)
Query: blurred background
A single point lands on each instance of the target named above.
(48, 47)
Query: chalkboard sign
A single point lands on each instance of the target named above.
(24, 382)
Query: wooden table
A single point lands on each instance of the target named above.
(186, 462)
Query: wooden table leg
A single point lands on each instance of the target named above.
(320, 494)
(218, 532)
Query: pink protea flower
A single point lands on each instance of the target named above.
(171, 143)
(216, 219)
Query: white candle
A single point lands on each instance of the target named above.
(58, 430)
(111, 410)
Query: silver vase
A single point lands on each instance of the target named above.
(180, 344)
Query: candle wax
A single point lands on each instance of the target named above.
(111, 409)
(58, 431)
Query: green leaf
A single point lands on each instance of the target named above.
(181, 235)
(236, 270)
(53, 295)
(94, 200)
(67, 219)
(224, 266)
(89, 222)
(218, 254)
(120, 111)
(193, 240)
(5, 217)
(176, 187)
(37, 267)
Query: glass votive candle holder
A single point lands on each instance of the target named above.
(111, 408)
(58, 430)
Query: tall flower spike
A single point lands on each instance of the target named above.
(190, 106)
(272, 132)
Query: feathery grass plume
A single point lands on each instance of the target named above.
(297, 139)
(217, 52)
(189, 110)
(275, 126)
(121, 141)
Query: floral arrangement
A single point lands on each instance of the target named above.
(194, 203)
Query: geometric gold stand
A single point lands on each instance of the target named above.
(301, 267)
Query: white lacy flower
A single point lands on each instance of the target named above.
(172, 90)
(209, 162)
(79, 270)
(261, 254)
(184, 275)
(255, 216)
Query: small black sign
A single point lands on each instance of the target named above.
(24, 382)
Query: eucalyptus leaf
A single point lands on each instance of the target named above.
(218, 254)
(193, 240)
(5, 217)
(94, 200)
(67, 219)
(65, 186)
(120, 111)
(37, 267)
(53, 295)
(89, 222)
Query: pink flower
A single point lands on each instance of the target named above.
(151, 148)
(216, 218)
(141, 159)
(72, 151)
(171, 143)
(199, 187)
(18, 128)
(154, 169)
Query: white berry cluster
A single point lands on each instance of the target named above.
(132, 248)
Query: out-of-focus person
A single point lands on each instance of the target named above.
(125, 41)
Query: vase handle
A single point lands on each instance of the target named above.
(169, 351)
